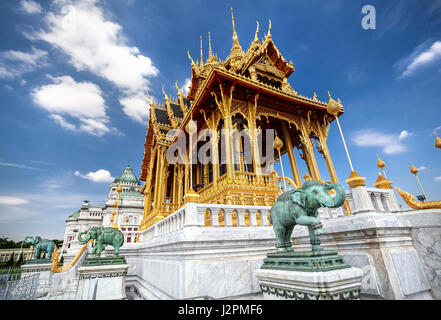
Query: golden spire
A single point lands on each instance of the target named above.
(202, 55)
(150, 98)
(235, 38)
(210, 52)
(236, 49)
(437, 141)
(211, 57)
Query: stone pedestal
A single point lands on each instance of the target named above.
(102, 281)
(321, 275)
(42, 267)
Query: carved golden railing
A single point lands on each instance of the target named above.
(244, 188)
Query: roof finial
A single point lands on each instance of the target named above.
(256, 39)
(202, 56)
(192, 62)
(269, 28)
(165, 95)
(234, 27)
(177, 88)
(150, 98)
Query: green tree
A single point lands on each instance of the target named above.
(10, 262)
(19, 261)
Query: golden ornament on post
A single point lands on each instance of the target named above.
(414, 171)
(354, 179)
(437, 141)
(381, 164)
(191, 195)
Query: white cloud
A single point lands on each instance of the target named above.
(16, 165)
(423, 59)
(404, 134)
(185, 87)
(82, 31)
(136, 107)
(390, 143)
(422, 168)
(14, 63)
(12, 201)
(30, 6)
(80, 100)
(98, 176)
(437, 178)
(62, 122)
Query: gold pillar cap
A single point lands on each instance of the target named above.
(191, 196)
(355, 180)
(413, 170)
(382, 183)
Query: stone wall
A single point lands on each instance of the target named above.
(426, 235)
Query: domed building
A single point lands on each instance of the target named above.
(128, 217)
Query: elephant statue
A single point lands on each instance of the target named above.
(300, 206)
(40, 245)
(103, 237)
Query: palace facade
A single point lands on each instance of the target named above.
(247, 94)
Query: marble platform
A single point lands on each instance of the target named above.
(340, 284)
(102, 282)
(181, 258)
(43, 268)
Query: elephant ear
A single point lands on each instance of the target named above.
(298, 196)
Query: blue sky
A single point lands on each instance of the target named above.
(74, 76)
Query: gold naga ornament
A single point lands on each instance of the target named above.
(410, 199)
(57, 269)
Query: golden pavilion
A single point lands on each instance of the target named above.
(248, 91)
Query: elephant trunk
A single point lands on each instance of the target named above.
(340, 194)
(85, 239)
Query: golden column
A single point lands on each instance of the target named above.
(308, 151)
(354, 179)
(414, 171)
(211, 122)
(252, 109)
(292, 159)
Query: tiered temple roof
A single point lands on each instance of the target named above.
(261, 67)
